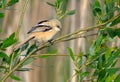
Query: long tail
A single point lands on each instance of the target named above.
(22, 43)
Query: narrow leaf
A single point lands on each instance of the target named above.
(31, 48)
(117, 79)
(24, 46)
(12, 2)
(71, 53)
(50, 4)
(0, 30)
(113, 70)
(111, 32)
(15, 78)
(71, 12)
(113, 57)
(96, 8)
(1, 15)
(28, 61)
(24, 69)
(84, 74)
(116, 21)
(117, 32)
(9, 41)
(4, 55)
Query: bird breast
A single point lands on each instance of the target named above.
(44, 36)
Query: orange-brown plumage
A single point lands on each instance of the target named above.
(43, 31)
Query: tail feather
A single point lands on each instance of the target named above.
(22, 43)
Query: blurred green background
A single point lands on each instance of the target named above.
(61, 67)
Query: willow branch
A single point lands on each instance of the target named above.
(40, 55)
(55, 41)
(21, 18)
(17, 35)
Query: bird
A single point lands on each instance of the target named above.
(43, 31)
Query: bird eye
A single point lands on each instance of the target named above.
(58, 26)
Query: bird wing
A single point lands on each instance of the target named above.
(39, 28)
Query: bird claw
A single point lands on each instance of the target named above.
(51, 41)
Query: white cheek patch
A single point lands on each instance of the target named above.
(57, 29)
(39, 24)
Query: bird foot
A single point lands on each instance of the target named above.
(51, 41)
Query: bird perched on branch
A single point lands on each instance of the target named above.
(43, 31)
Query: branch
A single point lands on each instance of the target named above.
(86, 29)
(17, 36)
(56, 41)
(40, 55)
(21, 18)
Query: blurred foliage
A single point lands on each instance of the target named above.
(4, 4)
(61, 8)
(8, 63)
(101, 57)
(104, 12)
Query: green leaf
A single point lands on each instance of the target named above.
(108, 53)
(50, 4)
(117, 32)
(116, 21)
(2, 67)
(31, 48)
(9, 41)
(109, 78)
(16, 53)
(24, 69)
(58, 3)
(111, 32)
(15, 78)
(96, 8)
(2, 3)
(84, 74)
(0, 30)
(71, 12)
(4, 55)
(24, 46)
(112, 70)
(112, 57)
(71, 53)
(12, 2)
(104, 18)
(109, 4)
(101, 75)
(117, 79)
(97, 43)
(1, 15)
(28, 61)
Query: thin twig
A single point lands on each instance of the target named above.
(48, 44)
(78, 36)
(17, 36)
(40, 55)
(19, 26)
(21, 18)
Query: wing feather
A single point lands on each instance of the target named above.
(39, 28)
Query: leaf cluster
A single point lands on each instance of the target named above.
(105, 11)
(4, 4)
(101, 57)
(61, 8)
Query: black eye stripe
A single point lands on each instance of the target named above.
(42, 26)
(42, 21)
